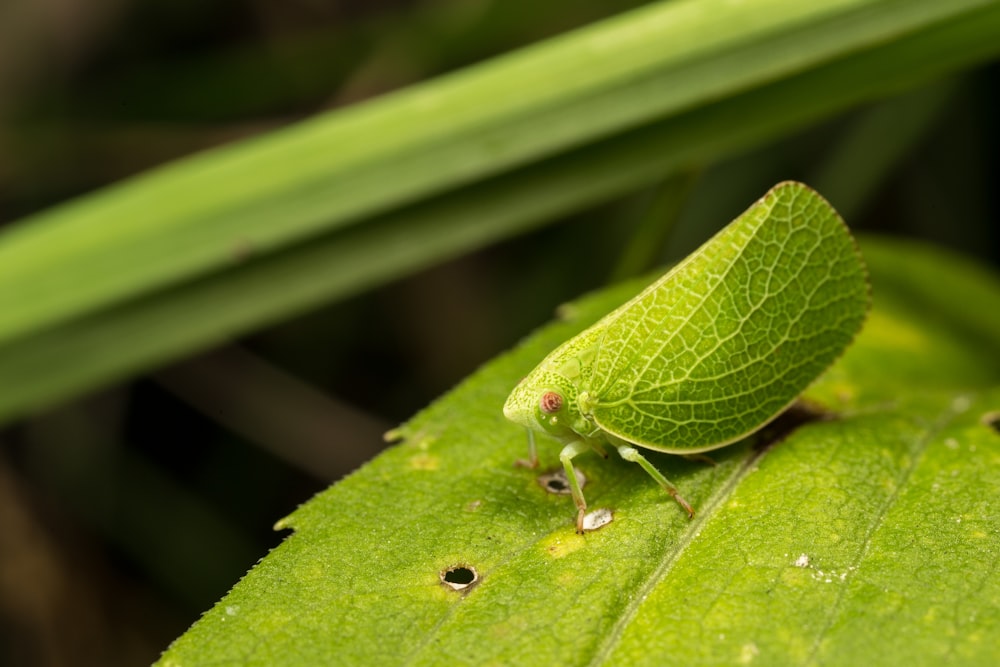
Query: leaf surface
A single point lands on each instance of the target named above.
(867, 537)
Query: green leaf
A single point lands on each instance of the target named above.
(867, 537)
(216, 245)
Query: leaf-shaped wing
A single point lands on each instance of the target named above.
(726, 340)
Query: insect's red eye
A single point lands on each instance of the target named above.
(550, 402)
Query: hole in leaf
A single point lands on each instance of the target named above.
(459, 577)
(557, 482)
(556, 485)
(992, 419)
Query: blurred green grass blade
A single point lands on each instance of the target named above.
(960, 291)
(852, 541)
(257, 290)
(273, 77)
(650, 232)
(875, 143)
(204, 212)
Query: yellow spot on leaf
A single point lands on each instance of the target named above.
(561, 544)
(424, 461)
(748, 652)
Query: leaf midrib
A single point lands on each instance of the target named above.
(919, 451)
(718, 500)
(710, 508)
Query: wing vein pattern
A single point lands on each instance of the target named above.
(733, 334)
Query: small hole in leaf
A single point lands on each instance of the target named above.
(557, 482)
(459, 577)
(556, 485)
(992, 419)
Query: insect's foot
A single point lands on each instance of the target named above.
(531, 464)
(683, 503)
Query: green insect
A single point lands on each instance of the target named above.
(713, 350)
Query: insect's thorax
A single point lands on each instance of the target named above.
(577, 368)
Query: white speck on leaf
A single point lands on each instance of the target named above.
(802, 561)
(833, 575)
(597, 519)
(951, 443)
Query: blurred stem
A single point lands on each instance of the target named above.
(655, 225)
(871, 148)
(77, 456)
(276, 411)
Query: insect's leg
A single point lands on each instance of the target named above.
(566, 456)
(630, 453)
(532, 460)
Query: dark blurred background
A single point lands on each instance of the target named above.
(126, 513)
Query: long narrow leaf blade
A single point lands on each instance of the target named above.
(110, 344)
(205, 212)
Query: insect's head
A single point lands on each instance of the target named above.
(543, 404)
